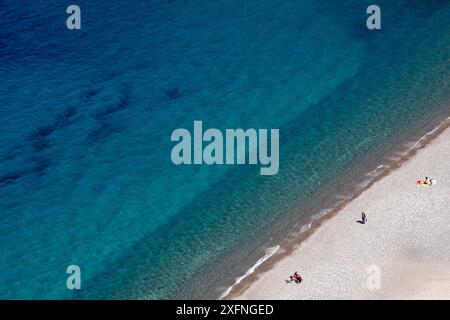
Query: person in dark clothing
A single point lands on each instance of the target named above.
(363, 218)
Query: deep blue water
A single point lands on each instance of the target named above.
(85, 170)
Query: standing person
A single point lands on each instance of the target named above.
(363, 218)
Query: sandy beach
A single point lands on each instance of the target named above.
(402, 252)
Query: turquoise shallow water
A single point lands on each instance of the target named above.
(85, 170)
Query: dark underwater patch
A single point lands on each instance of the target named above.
(12, 177)
(124, 102)
(89, 94)
(174, 93)
(41, 165)
(102, 132)
(39, 139)
(64, 119)
(42, 132)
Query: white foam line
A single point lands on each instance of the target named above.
(269, 252)
(375, 171)
(429, 133)
(321, 214)
(306, 227)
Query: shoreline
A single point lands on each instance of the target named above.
(278, 254)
